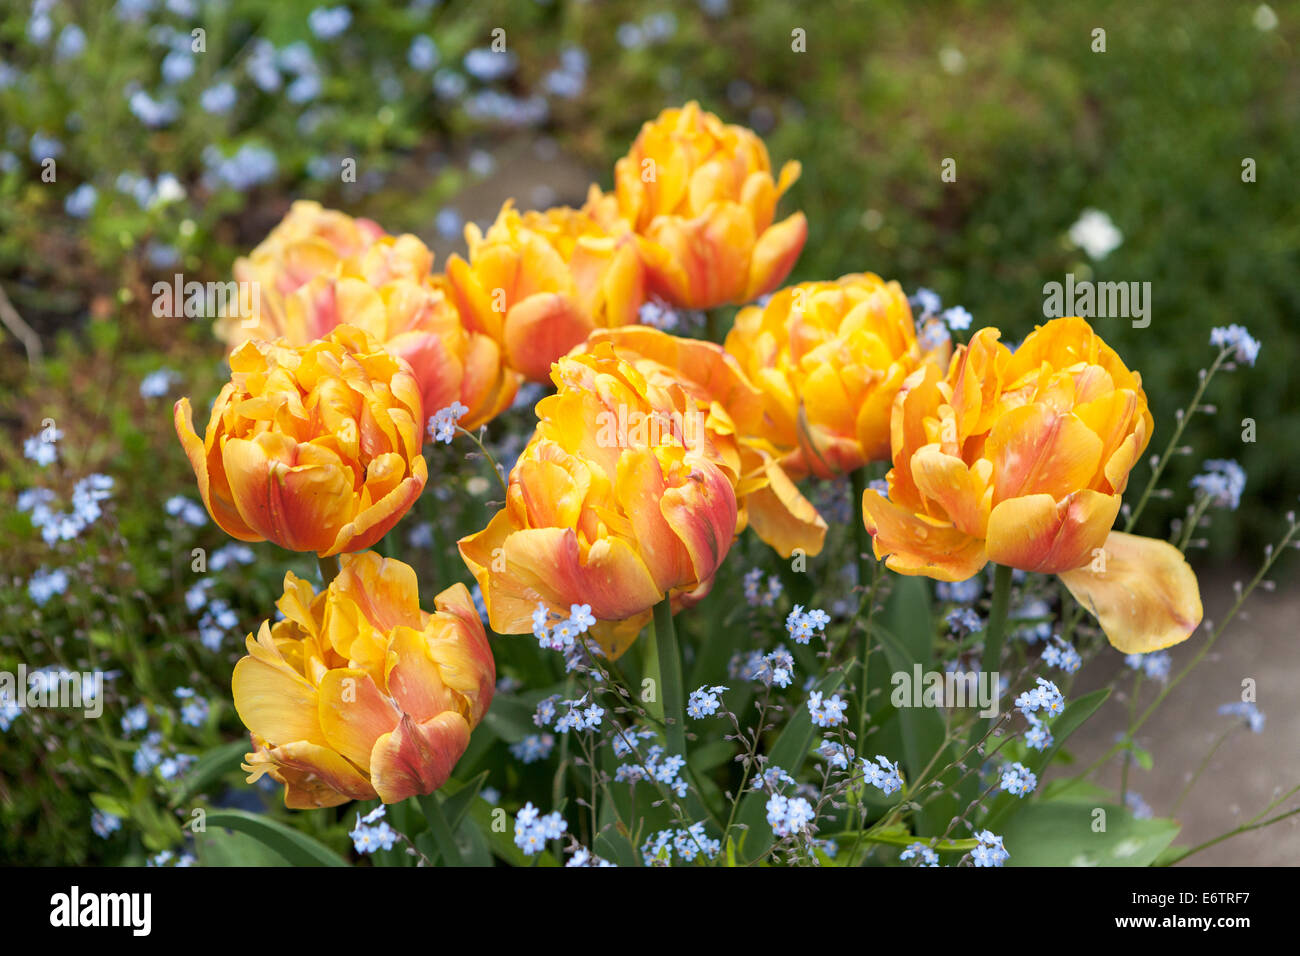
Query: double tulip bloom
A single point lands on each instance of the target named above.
(1021, 459)
(829, 358)
(633, 487)
(700, 197)
(310, 241)
(358, 693)
(538, 282)
(320, 269)
(316, 448)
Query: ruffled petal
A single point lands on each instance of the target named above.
(1144, 594)
(1036, 533)
(417, 758)
(915, 544)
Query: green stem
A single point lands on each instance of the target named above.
(441, 829)
(670, 678)
(1254, 824)
(1201, 769)
(862, 541)
(329, 568)
(1128, 754)
(1168, 453)
(496, 469)
(994, 635)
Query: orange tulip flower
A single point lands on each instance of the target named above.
(766, 496)
(700, 196)
(358, 693)
(829, 358)
(316, 448)
(1021, 459)
(624, 495)
(306, 286)
(538, 282)
(309, 241)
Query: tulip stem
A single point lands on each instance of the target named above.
(329, 568)
(862, 544)
(994, 634)
(443, 838)
(496, 469)
(711, 324)
(669, 661)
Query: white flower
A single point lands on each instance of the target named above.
(1096, 234)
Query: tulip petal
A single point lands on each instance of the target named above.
(296, 507)
(414, 678)
(1038, 450)
(354, 713)
(461, 650)
(775, 254)
(947, 481)
(702, 513)
(377, 520)
(1147, 598)
(1036, 533)
(417, 758)
(385, 589)
(782, 517)
(272, 700)
(540, 329)
(313, 776)
(219, 502)
(915, 544)
(612, 579)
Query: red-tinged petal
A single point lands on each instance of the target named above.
(487, 388)
(1036, 533)
(665, 275)
(702, 513)
(714, 252)
(437, 370)
(640, 487)
(547, 562)
(385, 589)
(377, 520)
(259, 470)
(354, 713)
(460, 647)
(417, 758)
(313, 776)
(1144, 594)
(215, 494)
(775, 254)
(1037, 450)
(540, 329)
(414, 679)
(917, 545)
